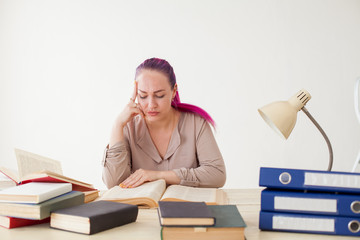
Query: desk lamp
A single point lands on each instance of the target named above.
(281, 117)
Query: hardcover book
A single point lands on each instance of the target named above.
(36, 168)
(34, 192)
(94, 217)
(41, 210)
(11, 222)
(229, 225)
(185, 214)
(148, 194)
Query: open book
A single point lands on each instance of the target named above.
(36, 168)
(148, 194)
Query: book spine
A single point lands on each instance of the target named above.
(313, 203)
(21, 222)
(309, 180)
(307, 223)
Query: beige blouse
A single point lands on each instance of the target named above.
(192, 154)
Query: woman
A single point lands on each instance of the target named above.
(161, 138)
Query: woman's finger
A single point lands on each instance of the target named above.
(130, 181)
(138, 183)
(127, 180)
(133, 97)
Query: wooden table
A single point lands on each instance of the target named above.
(147, 225)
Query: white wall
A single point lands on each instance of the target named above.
(67, 69)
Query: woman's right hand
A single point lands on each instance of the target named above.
(129, 112)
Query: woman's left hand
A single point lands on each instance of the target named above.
(139, 177)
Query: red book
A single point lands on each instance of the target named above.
(36, 168)
(12, 222)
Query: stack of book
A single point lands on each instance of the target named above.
(37, 188)
(310, 201)
(32, 203)
(36, 168)
(196, 220)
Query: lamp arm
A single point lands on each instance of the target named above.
(356, 99)
(324, 135)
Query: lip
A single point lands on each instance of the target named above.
(153, 113)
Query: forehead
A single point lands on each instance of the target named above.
(151, 80)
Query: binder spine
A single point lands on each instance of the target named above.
(320, 203)
(309, 180)
(306, 223)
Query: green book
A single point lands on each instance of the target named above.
(227, 216)
(41, 210)
(229, 225)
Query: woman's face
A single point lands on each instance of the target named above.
(154, 94)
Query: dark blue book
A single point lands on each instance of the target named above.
(173, 213)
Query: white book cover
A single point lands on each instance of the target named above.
(34, 192)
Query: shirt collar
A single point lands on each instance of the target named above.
(146, 144)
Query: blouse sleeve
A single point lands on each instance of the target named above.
(116, 164)
(211, 171)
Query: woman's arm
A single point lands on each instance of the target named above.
(116, 161)
(116, 164)
(211, 171)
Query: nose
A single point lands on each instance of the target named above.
(152, 103)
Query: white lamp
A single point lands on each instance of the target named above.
(281, 116)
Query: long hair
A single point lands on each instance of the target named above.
(164, 67)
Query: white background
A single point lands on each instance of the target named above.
(67, 70)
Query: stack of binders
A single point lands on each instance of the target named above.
(310, 201)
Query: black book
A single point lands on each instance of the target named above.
(94, 217)
(185, 214)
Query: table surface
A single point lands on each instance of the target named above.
(147, 225)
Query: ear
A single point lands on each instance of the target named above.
(174, 91)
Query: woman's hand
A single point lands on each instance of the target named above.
(129, 112)
(141, 176)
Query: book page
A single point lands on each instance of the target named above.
(10, 173)
(30, 163)
(6, 182)
(191, 194)
(153, 190)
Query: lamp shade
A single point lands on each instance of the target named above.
(281, 116)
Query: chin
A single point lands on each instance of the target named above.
(153, 117)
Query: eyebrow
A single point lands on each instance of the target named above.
(157, 91)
